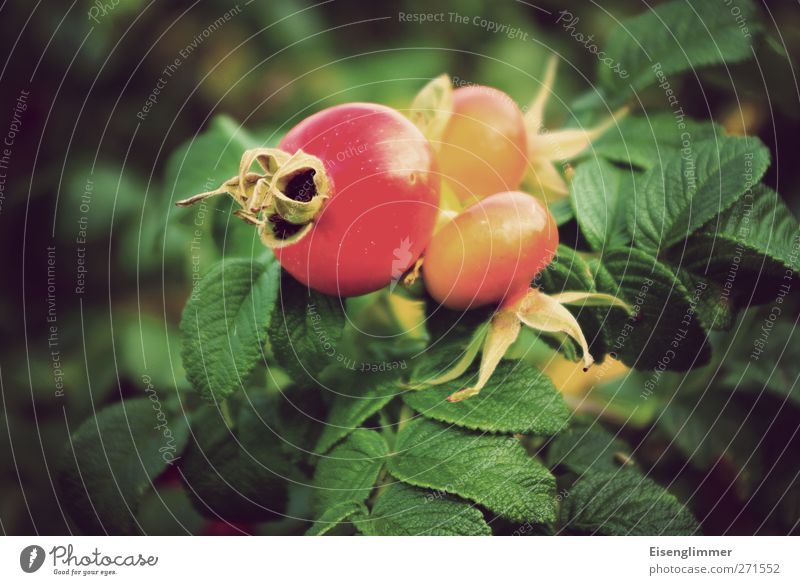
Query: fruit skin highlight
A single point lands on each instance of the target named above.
(484, 146)
(384, 201)
(490, 252)
(348, 201)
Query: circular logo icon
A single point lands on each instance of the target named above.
(31, 558)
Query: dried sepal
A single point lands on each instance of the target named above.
(504, 329)
(534, 309)
(534, 115)
(543, 177)
(271, 199)
(271, 240)
(546, 148)
(229, 187)
(568, 143)
(432, 108)
(544, 313)
(300, 208)
(269, 159)
(463, 363)
(592, 299)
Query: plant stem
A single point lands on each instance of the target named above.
(406, 414)
(225, 410)
(382, 485)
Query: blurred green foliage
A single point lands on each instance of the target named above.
(83, 155)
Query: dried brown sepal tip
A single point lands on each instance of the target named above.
(283, 200)
(413, 274)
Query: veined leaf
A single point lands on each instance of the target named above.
(586, 448)
(494, 471)
(402, 510)
(599, 193)
(237, 474)
(688, 188)
(111, 462)
(642, 141)
(517, 399)
(349, 472)
(665, 332)
(624, 502)
(306, 330)
(747, 248)
(561, 210)
(224, 324)
(715, 308)
(349, 411)
(676, 37)
(569, 272)
(335, 516)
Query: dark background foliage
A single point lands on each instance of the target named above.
(267, 68)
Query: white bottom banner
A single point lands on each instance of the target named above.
(398, 560)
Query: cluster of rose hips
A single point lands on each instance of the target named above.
(358, 194)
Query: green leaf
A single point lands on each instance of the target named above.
(624, 502)
(714, 309)
(306, 332)
(349, 411)
(518, 399)
(567, 272)
(291, 418)
(561, 210)
(112, 460)
(224, 324)
(642, 141)
(335, 516)
(688, 188)
(151, 346)
(349, 472)
(665, 332)
(747, 248)
(599, 193)
(239, 474)
(402, 510)
(677, 36)
(492, 470)
(586, 448)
